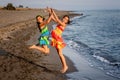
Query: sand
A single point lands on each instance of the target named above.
(17, 32)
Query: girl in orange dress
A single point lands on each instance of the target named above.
(57, 40)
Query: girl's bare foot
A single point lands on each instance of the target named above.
(32, 47)
(64, 69)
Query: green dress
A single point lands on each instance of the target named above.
(44, 37)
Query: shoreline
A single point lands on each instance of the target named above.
(17, 61)
(85, 71)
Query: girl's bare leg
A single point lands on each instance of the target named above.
(62, 58)
(44, 49)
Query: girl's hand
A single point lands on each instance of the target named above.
(49, 9)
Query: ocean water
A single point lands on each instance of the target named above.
(96, 35)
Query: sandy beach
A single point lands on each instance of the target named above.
(17, 32)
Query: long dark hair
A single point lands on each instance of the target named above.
(38, 23)
(40, 16)
(68, 19)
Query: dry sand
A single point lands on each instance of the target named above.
(17, 31)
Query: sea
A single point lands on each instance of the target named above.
(96, 36)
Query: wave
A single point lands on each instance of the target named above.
(84, 16)
(101, 59)
(98, 54)
(74, 20)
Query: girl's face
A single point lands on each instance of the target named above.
(65, 19)
(39, 19)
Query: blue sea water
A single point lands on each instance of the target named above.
(96, 35)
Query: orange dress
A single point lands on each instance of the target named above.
(57, 40)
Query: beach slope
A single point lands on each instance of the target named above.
(17, 62)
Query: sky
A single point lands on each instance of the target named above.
(66, 4)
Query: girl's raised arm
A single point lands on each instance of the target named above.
(47, 21)
(50, 12)
(57, 19)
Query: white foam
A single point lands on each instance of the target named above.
(72, 44)
(101, 59)
(75, 17)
